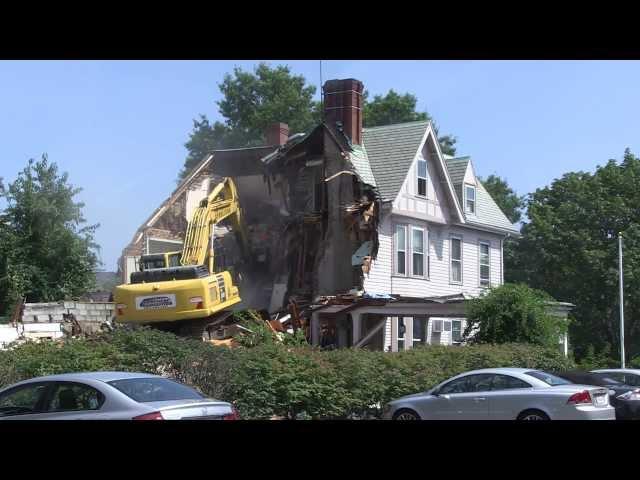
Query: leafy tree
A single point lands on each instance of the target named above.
(569, 248)
(512, 313)
(47, 252)
(396, 108)
(251, 102)
(506, 198)
(391, 108)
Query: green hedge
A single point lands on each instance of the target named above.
(273, 379)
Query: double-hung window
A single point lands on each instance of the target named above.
(485, 265)
(418, 243)
(456, 259)
(470, 199)
(401, 250)
(422, 177)
(456, 330)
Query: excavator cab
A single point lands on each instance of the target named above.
(160, 260)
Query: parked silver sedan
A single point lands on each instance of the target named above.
(108, 396)
(504, 394)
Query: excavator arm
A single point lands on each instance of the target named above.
(221, 204)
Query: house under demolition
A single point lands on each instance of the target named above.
(366, 237)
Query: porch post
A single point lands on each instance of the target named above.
(342, 333)
(315, 329)
(356, 318)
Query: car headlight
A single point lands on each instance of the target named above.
(632, 395)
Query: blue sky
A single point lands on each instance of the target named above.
(118, 127)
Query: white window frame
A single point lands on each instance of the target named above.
(453, 237)
(396, 250)
(475, 199)
(425, 252)
(419, 177)
(440, 323)
(480, 264)
(453, 340)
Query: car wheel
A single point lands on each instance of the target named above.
(406, 415)
(533, 415)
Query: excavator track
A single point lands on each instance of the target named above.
(197, 329)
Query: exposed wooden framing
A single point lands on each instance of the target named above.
(370, 335)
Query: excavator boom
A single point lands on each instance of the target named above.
(221, 204)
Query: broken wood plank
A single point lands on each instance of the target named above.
(370, 335)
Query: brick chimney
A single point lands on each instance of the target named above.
(343, 103)
(277, 133)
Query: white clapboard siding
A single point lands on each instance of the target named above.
(434, 205)
(381, 279)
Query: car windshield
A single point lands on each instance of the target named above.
(598, 379)
(548, 378)
(155, 389)
(604, 379)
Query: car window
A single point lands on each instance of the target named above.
(459, 385)
(75, 396)
(507, 382)
(548, 378)
(603, 379)
(469, 383)
(618, 376)
(22, 400)
(155, 389)
(480, 382)
(632, 379)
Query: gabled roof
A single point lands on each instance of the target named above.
(457, 167)
(391, 150)
(488, 213)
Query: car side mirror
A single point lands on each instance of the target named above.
(435, 393)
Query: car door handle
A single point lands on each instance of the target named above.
(479, 399)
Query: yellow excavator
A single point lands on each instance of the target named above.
(181, 291)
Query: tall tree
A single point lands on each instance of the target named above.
(396, 108)
(47, 251)
(506, 198)
(569, 248)
(251, 101)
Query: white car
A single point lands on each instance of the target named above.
(108, 396)
(504, 394)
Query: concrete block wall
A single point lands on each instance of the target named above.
(84, 312)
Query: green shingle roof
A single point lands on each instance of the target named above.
(488, 214)
(457, 167)
(391, 150)
(360, 161)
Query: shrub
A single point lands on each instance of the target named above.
(513, 313)
(273, 378)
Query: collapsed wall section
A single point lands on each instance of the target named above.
(312, 224)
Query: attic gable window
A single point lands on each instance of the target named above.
(422, 177)
(470, 199)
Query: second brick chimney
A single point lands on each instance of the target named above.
(343, 103)
(277, 134)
